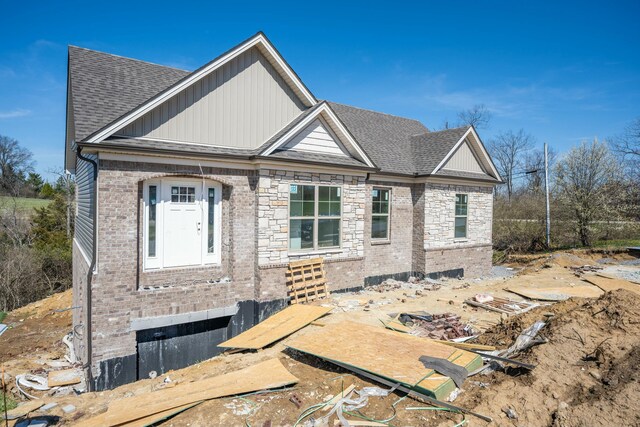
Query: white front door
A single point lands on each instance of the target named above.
(183, 225)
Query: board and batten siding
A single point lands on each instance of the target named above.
(315, 138)
(241, 104)
(85, 204)
(464, 160)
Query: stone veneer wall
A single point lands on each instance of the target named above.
(273, 215)
(439, 215)
(443, 252)
(118, 287)
(80, 270)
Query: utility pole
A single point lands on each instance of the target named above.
(546, 188)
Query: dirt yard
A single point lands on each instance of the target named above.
(585, 375)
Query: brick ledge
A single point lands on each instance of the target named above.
(327, 261)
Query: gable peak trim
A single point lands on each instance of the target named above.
(259, 40)
(471, 131)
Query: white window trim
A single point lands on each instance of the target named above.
(466, 223)
(388, 238)
(157, 262)
(316, 194)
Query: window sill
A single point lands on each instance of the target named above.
(380, 242)
(316, 252)
(460, 240)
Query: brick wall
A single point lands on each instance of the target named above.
(80, 270)
(394, 255)
(119, 293)
(475, 260)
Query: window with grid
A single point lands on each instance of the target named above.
(314, 216)
(461, 216)
(380, 213)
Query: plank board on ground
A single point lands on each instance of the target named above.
(276, 327)
(388, 354)
(558, 293)
(607, 284)
(262, 376)
(503, 305)
(62, 378)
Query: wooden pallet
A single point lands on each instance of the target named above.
(306, 280)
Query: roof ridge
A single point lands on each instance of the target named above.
(128, 58)
(376, 112)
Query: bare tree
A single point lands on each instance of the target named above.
(534, 168)
(479, 116)
(508, 149)
(585, 176)
(627, 145)
(15, 163)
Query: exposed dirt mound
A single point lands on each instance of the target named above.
(585, 374)
(36, 330)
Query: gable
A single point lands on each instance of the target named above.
(316, 138)
(464, 159)
(240, 104)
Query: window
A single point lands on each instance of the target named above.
(380, 213)
(314, 216)
(151, 236)
(183, 194)
(461, 216)
(182, 223)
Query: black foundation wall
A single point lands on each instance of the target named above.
(195, 342)
(403, 277)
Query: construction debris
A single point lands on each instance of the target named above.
(276, 327)
(559, 293)
(63, 378)
(396, 355)
(609, 284)
(414, 284)
(306, 280)
(155, 406)
(503, 305)
(579, 270)
(442, 326)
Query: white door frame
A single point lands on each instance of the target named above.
(203, 186)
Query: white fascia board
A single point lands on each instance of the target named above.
(259, 39)
(470, 131)
(307, 121)
(486, 154)
(456, 181)
(453, 150)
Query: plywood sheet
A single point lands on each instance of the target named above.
(392, 355)
(62, 378)
(276, 327)
(558, 293)
(608, 285)
(262, 376)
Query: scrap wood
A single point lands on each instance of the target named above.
(558, 293)
(265, 375)
(160, 416)
(608, 284)
(467, 345)
(64, 377)
(505, 360)
(411, 392)
(329, 404)
(276, 327)
(23, 409)
(386, 353)
(503, 305)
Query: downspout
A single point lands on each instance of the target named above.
(87, 327)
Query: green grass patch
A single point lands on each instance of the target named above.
(3, 314)
(11, 403)
(22, 203)
(616, 243)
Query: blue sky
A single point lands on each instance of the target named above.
(563, 71)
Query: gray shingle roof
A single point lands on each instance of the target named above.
(385, 138)
(104, 86)
(430, 148)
